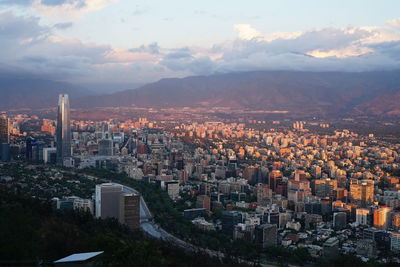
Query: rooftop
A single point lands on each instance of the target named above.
(79, 257)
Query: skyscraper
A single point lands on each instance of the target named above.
(63, 130)
(4, 132)
(4, 139)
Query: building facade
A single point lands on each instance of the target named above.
(63, 130)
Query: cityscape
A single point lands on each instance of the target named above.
(301, 186)
(138, 133)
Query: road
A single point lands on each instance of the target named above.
(148, 226)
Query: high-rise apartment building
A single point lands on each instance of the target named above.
(274, 177)
(63, 130)
(362, 191)
(381, 217)
(396, 221)
(119, 202)
(324, 187)
(362, 216)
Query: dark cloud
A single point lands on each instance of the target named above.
(391, 49)
(18, 29)
(63, 25)
(182, 53)
(27, 44)
(16, 2)
(152, 48)
(184, 60)
(76, 3)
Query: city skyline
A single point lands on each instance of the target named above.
(200, 133)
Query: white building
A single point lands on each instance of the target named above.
(362, 216)
(395, 241)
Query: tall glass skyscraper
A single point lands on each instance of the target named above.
(4, 138)
(4, 132)
(63, 130)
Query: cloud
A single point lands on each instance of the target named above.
(30, 47)
(34, 48)
(16, 2)
(394, 23)
(247, 32)
(152, 48)
(69, 9)
(63, 25)
(183, 60)
(75, 3)
(60, 10)
(138, 11)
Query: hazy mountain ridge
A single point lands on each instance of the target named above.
(298, 92)
(308, 93)
(17, 93)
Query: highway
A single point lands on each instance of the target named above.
(149, 227)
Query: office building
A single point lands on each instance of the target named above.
(63, 130)
(5, 154)
(229, 219)
(203, 201)
(339, 220)
(119, 202)
(4, 129)
(49, 155)
(106, 147)
(266, 235)
(274, 177)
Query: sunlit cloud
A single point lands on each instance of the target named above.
(394, 23)
(246, 31)
(39, 49)
(351, 51)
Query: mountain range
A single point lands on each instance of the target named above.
(308, 93)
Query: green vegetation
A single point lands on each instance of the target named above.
(167, 215)
(31, 230)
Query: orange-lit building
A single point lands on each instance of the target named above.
(381, 220)
(362, 191)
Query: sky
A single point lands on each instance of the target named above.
(129, 41)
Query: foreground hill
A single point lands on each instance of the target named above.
(309, 93)
(33, 232)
